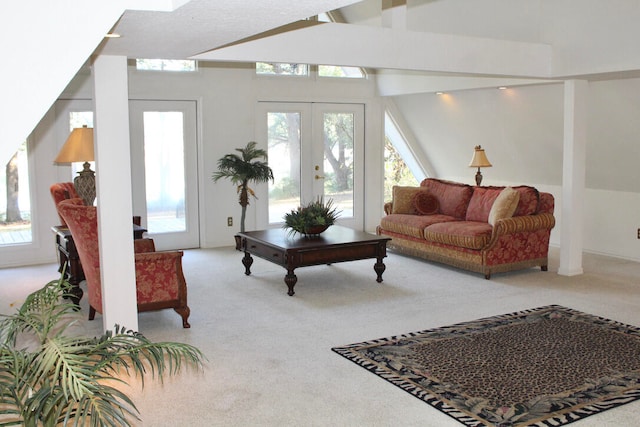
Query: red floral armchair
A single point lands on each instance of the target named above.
(63, 191)
(160, 281)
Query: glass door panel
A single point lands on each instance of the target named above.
(164, 171)
(283, 141)
(313, 151)
(338, 160)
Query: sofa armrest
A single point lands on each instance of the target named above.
(519, 224)
(387, 208)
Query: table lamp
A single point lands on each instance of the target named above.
(79, 148)
(479, 160)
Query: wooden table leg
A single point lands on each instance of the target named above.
(379, 268)
(247, 261)
(290, 279)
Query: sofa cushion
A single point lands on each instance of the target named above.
(453, 197)
(465, 234)
(411, 225)
(481, 203)
(529, 200)
(403, 199)
(425, 203)
(504, 206)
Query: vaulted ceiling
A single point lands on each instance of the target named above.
(526, 40)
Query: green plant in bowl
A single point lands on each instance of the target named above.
(312, 218)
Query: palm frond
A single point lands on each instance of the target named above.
(63, 380)
(244, 167)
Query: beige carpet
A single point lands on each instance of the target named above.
(270, 359)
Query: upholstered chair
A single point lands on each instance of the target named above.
(160, 281)
(63, 191)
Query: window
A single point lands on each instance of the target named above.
(15, 201)
(279, 69)
(343, 72)
(186, 65)
(400, 166)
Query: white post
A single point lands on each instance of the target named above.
(113, 182)
(394, 14)
(573, 176)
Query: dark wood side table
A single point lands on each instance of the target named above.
(69, 260)
(337, 244)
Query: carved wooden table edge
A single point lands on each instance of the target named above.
(314, 251)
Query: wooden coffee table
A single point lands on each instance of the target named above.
(337, 244)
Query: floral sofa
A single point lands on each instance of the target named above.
(481, 229)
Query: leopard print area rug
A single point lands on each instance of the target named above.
(547, 366)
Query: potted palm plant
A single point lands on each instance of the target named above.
(243, 169)
(50, 377)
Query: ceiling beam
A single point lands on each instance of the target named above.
(386, 48)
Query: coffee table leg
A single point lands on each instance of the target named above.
(247, 261)
(379, 267)
(290, 279)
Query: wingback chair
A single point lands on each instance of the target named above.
(160, 281)
(63, 191)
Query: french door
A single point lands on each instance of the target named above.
(164, 171)
(315, 150)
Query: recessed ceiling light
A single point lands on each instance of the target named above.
(439, 93)
(503, 88)
(112, 36)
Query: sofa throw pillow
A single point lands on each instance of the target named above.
(453, 197)
(504, 206)
(529, 200)
(425, 203)
(481, 202)
(403, 199)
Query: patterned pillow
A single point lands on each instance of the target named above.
(425, 203)
(481, 202)
(504, 206)
(403, 199)
(529, 200)
(453, 197)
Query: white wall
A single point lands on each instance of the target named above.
(521, 129)
(226, 96)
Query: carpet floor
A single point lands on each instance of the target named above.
(548, 366)
(269, 355)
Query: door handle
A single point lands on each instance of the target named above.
(319, 177)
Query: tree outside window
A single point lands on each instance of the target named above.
(15, 210)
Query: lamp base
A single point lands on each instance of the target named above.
(85, 184)
(478, 178)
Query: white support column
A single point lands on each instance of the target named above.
(394, 14)
(113, 182)
(573, 176)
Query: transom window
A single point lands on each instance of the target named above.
(281, 69)
(186, 65)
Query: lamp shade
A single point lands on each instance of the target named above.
(78, 147)
(479, 159)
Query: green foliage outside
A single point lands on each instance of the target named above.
(396, 171)
(272, 68)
